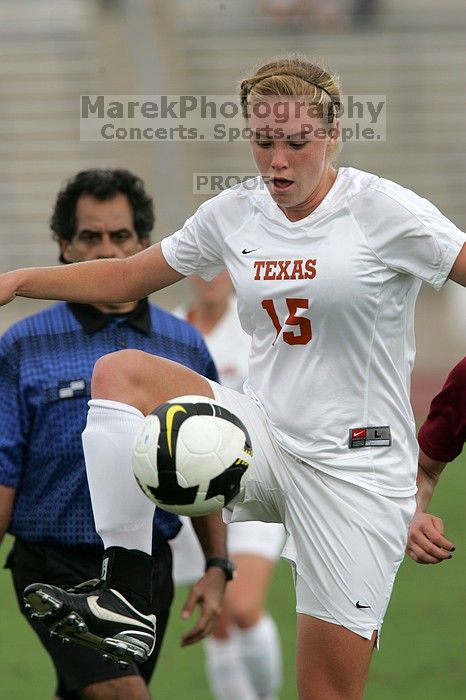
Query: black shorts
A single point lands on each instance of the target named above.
(75, 665)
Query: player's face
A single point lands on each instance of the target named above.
(104, 229)
(292, 156)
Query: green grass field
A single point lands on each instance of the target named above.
(422, 654)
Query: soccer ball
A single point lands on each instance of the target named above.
(190, 456)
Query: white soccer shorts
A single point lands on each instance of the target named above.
(345, 543)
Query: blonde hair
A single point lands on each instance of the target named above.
(295, 76)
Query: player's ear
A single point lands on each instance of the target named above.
(144, 243)
(334, 132)
(65, 249)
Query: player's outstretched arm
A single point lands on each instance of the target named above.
(427, 543)
(96, 281)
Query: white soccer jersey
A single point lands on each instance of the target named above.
(228, 344)
(329, 304)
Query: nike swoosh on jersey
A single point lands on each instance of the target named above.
(245, 251)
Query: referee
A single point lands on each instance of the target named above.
(46, 364)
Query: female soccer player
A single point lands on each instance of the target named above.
(326, 264)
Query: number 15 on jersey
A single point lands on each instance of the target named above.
(301, 334)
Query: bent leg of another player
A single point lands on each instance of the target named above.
(112, 615)
(259, 642)
(227, 677)
(245, 646)
(255, 547)
(262, 657)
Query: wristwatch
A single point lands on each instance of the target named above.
(227, 565)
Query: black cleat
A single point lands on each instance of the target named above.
(96, 617)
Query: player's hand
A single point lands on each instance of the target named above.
(426, 541)
(207, 593)
(8, 287)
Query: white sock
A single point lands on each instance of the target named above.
(226, 675)
(123, 515)
(262, 657)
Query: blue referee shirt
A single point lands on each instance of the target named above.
(46, 364)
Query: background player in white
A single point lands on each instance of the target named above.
(243, 655)
(327, 264)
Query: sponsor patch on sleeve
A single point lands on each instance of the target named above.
(378, 436)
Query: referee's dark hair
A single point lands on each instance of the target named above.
(102, 184)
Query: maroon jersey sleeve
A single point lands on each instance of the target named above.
(443, 434)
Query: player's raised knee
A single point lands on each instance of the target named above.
(115, 373)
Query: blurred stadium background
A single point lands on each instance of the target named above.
(51, 51)
(54, 50)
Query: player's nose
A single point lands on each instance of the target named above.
(107, 248)
(279, 158)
